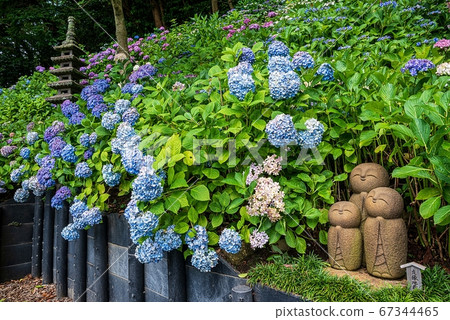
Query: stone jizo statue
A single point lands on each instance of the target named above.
(345, 245)
(385, 235)
(363, 178)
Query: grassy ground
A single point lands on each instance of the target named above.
(307, 277)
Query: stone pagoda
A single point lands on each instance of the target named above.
(68, 72)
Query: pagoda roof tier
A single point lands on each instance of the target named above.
(59, 98)
(66, 84)
(69, 70)
(70, 46)
(69, 58)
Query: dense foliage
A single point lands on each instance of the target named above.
(29, 29)
(212, 135)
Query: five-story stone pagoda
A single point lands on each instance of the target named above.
(68, 72)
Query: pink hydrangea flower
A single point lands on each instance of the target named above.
(442, 44)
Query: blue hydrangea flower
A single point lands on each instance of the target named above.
(149, 252)
(313, 134)
(101, 85)
(38, 159)
(204, 260)
(56, 146)
(121, 106)
(283, 85)
(247, 55)
(87, 92)
(77, 208)
(127, 88)
(26, 185)
(142, 226)
(25, 153)
(326, 71)
(414, 66)
(16, 174)
(199, 241)
(125, 131)
(280, 63)
(137, 88)
(117, 145)
(88, 218)
(82, 170)
(35, 186)
(21, 195)
(230, 241)
(132, 159)
(147, 186)
(278, 48)
(32, 137)
(168, 239)
(132, 210)
(131, 116)
(388, 3)
(109, 120)
(99, 109)
(240, 84)
(92, 138)
(68, 108)
(68, 154)
(44, 177)
(242, 67)
(70, 233)
(111, 179)
(61, 194)
(303, 60)
(281, 131)
(84, 140)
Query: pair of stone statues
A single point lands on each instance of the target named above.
(369, 228)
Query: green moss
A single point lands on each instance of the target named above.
(308, 278)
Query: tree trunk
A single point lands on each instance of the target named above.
(156, 13)
(161, 10)
(215, 5)
(121, 31)
(230, 3)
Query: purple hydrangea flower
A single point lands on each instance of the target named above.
(44, 178)
(88, 153)
(61, 194)
(56, 146)
(131, 116)
(414, 66)
(76, 118)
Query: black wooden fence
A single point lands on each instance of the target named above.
(100, 265)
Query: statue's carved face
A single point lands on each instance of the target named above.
(345, 214)
(384, 202)
(368, 176)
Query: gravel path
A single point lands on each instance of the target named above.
(28, 289)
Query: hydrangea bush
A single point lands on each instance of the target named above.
(247, 145)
